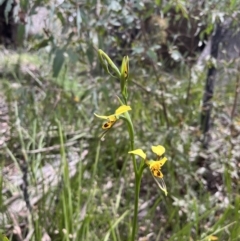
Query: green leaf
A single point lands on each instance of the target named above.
(73, 55)
(158, 2)
(3, 237)
(8, 9)
(42, 44)
(58, 62)
(152, 55)
(138, 50)
(61, 17)
(20, 33)
(115, 6)
(233, 3)
(90, 54)
(24, 4)
(176, 55)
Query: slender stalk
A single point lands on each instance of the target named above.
(135, 215)
(131, 135)
(138, 175)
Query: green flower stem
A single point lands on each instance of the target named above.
(131, 135)
(138, 176)
(124, 98)
(135, 215)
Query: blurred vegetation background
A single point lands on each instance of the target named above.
(58, 180)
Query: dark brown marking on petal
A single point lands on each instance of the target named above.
(106, 125)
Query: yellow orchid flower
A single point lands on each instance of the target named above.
(111, 119)
(212, 238)
(155, 166)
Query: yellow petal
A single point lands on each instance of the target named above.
(138, 152)
(159, 150)
(162, 161)
(149, 163)
(112, 118)
(122, 109)
(101, 116)
(109, 117)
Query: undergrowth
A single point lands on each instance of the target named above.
(55, 177)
